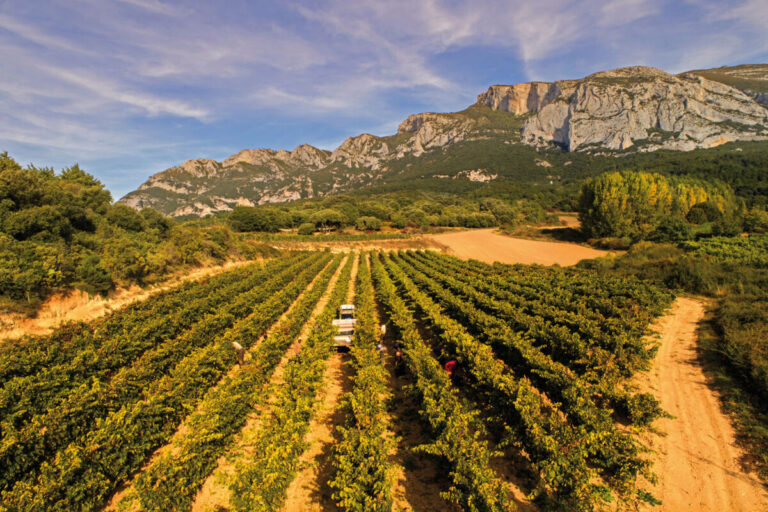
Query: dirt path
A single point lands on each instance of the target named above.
(215, 493)
(697, 459)
(309, 491)
(183, 431)
(79, 306)
(485, 245)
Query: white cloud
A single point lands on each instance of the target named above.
(89, 74)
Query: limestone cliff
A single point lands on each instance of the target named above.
(638, 107)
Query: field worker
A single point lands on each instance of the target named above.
(451, 367)
(240, 351)
(383, 330)
(399, 366)
(382, 350)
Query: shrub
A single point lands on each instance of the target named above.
(328, 219)
(671, 229)
(126, 218)
(249, 218)
(368, 223)
(306, 228)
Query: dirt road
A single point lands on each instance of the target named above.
(485, 245)
(697, 460)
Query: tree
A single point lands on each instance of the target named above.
(671, 229)
(701, 213)
(125, 217)
(631, 204)
(328, 219)
(756, 221)
(306, 228)
(250, 218)
(158, 221)
(367, 223)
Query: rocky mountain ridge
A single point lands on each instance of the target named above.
(627, 109)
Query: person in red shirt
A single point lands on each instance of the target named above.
(452, 368)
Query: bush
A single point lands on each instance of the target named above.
(158, 221)
(756, 221)
(126, 218)
(609, 243)
(671, 229)
(249, 218)
(704, 212)
(92, 276)
(368, 223)
(328, 219)
(727, 226)
(306, 228)
(399, 221)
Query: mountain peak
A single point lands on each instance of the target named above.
(630, 72)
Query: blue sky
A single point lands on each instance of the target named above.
(128, 88)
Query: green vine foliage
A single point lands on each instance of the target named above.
(362, 474)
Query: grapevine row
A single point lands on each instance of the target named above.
(628, 294)
(616, 453)
(120, 442)
(362, 474)
(553, 304)
(603, 368)
(25, 448)
(27, 355)
(261, 480)
(173, 479)
(458, 434)
(24, 397)
(558, 450)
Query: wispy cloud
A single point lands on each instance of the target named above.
(132, 84)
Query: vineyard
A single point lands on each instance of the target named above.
(751, 250)
(149, 409)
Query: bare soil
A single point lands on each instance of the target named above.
(488, 246)
(698, 459)
(76, 306)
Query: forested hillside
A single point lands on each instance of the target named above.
(59, 231)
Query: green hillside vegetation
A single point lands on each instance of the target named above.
(639, 205)
(398, 210)
(59, 231)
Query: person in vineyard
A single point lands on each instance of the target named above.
(452, 367)
(383, 330)
(399, 363)
(240, 352)
(382, 350)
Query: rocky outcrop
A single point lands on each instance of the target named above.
(521, 99)
(646, 107)
(760, 97)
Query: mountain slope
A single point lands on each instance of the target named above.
(749, 78)
(503, 135)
